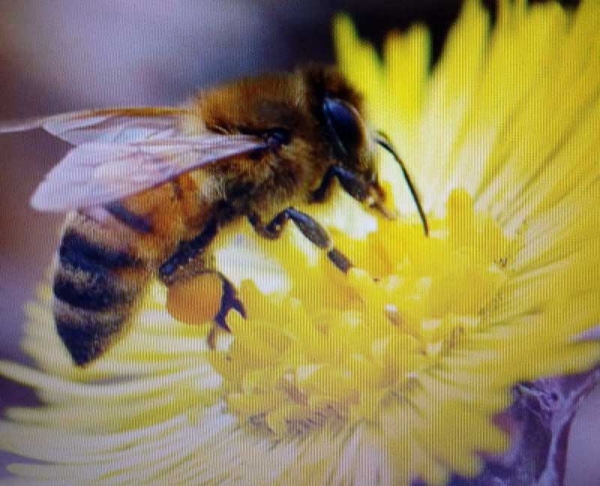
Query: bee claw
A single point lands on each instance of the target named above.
(211, 339)
(239, 307)
(385, 211)
(229, 301)
(220, 321)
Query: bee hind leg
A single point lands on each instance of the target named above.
(229, 301)
(310, 228)
(189, 261)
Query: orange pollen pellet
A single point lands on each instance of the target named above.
(196, 300)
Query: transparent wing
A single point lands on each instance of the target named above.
(97, 173)
(113, 125)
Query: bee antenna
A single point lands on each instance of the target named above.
(383, 140)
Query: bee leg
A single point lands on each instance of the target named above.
(351, 182)
(188, 261)
(229, 301)
(369, 193)
(211, 339)
(179, 263)
(309, 228)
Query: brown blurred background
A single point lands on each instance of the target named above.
(63, 55)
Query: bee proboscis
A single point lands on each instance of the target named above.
(147, 189)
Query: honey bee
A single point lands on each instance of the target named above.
(147, 189)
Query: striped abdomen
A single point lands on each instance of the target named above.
(105, 259)
(95, 288)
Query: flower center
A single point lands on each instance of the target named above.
(339, 348)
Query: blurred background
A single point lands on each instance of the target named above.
(63, 55)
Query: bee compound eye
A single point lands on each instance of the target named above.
(276, 137)
(344, 124)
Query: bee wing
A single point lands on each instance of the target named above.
(98, 173)
(113, 125)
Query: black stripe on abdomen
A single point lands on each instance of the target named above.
(83, 254)
(86, 334)
(134, 221)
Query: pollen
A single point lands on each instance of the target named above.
(197, 300)
(315, 359)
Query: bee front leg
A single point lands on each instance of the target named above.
(310, 228)
(190, 260)
(369, 193)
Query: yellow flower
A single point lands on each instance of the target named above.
(395, 371)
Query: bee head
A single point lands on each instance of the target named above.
(339, 107)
